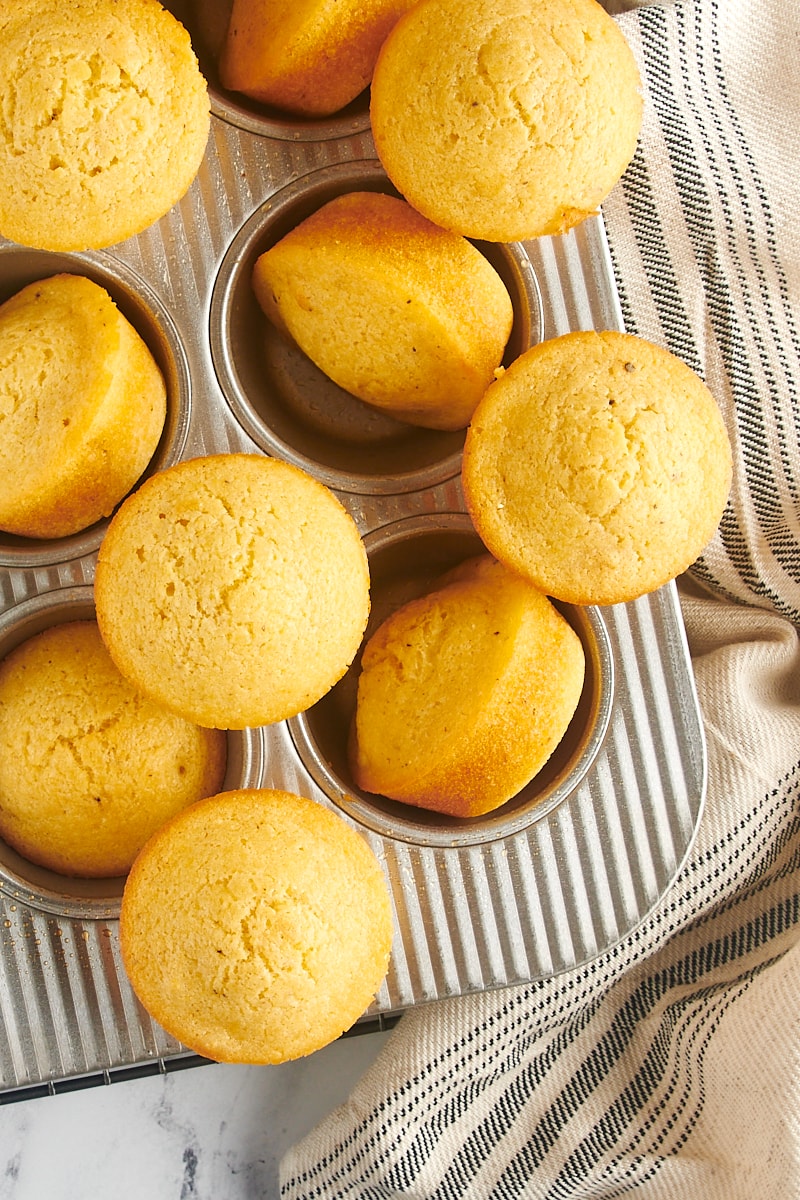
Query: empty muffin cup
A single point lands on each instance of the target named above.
(284, 401)
(51, 891)
(406, 559)
(20, 267)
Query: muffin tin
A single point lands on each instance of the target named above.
(546, 883)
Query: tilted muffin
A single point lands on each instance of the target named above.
(90, 768)
(310, 57)
(406, 316)
(83, 404)
(105, 120)
(598, 466)
(502, 119)
(256, 926)
(233, 589)
(465, 693)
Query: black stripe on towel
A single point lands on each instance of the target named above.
(728, 224)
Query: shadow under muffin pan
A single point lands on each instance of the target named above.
(406, 558)
(49, 890)
(287, 405)
(207, 23)
(19, 267)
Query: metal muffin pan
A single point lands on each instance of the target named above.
(548, 882)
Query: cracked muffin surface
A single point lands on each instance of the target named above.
(233, 589)
(256, 926)
(503, 120)
(89, 767)
(598, 466)
(104, 119)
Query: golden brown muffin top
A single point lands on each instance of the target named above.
(598, 466)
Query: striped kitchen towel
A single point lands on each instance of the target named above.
(669, 1067)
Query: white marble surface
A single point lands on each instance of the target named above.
(211, 1132)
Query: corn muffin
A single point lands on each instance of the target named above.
(502, 119)
(82, 407)
(256, 926)
(90, 768)
(105, 118)
(598, 466)
(408, 317)
(310, 57)
(465, 693)
(233, 589)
